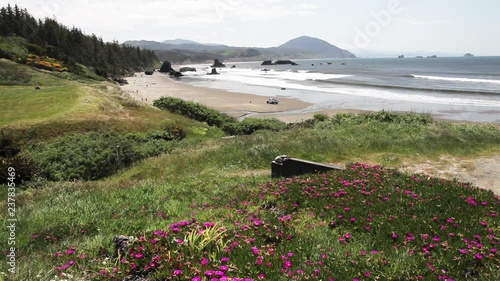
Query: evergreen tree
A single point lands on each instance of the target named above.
(48, 37)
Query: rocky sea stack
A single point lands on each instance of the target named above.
(166, 67)
(279, 62)
(217, 63)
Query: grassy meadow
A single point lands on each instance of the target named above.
(202, 207)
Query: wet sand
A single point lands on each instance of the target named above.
(147, 88)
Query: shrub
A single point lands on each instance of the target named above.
(250, 125)
(25, 169)
(7, 55)
(193, 110)
(401, 118)
(46, 63)
(214, 118)
(94, 155)
(320, 117)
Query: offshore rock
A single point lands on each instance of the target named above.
(282, 62)
(217, 63)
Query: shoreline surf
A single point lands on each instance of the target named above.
(371, 85)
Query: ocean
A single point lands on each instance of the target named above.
(462, 88)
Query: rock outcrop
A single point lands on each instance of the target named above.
(267, 62)
(214, 72)
(282, 62)
(185, 69)
(468, 55)
(121, 81)
(176, 74)
(217, 63)
(166, 67)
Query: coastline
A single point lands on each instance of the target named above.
(368, 85)
(147, 88)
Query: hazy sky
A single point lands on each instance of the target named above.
(444, 26)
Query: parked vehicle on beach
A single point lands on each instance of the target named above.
(272, 101)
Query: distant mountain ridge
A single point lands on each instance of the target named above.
(182, 50)
(317, 46)
(180, 42)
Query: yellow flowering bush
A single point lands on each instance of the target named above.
(45, 62)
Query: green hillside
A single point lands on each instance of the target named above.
(47, 44)
(355, 220)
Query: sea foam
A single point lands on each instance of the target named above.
(457, 79)
(306, 81)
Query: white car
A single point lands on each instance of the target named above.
(272, 101)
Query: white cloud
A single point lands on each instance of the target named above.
(415, 21)
(305, 8)
(95, 16)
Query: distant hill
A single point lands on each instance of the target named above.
(175, 44)
(317, 46)
(182, 50)
(180, 42)
(189, 42)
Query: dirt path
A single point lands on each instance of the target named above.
(483, 172)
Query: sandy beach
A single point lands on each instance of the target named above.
(147, 88)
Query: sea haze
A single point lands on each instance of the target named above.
(465, 89)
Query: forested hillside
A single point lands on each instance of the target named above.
(23, 37)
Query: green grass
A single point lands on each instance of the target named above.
(177, 187)
(20, 104)
(68, 103)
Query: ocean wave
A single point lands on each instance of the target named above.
(418, 98)
(318, 82)
(411, 88)
(270, 74)
(456, 79)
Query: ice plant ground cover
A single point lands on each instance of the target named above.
(364, 223)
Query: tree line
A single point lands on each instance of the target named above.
(50, 38)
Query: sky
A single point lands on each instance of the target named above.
(360, 26)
